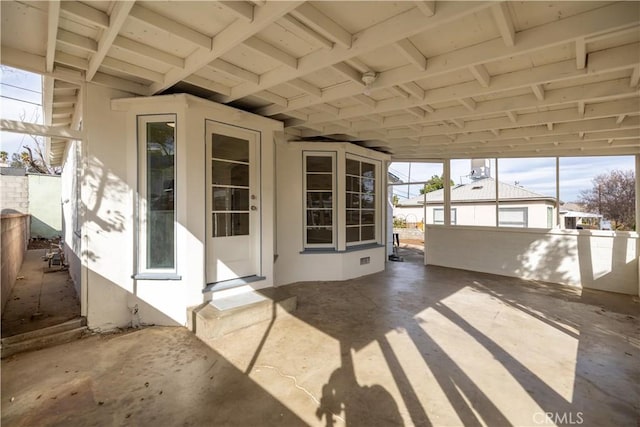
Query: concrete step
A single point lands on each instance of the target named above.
(223, 315)
(42, 338)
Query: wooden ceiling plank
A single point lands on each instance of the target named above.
(165, 23)
(241, 9)
(148, 52)
(306, 87)
(85, 14)
(208, 84)
(324, 25)
(292, 24)
(131, 69)
(78, 41)
(271, 51)
(231, 70)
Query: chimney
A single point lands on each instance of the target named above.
(480, 168)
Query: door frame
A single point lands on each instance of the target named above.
(257, 239)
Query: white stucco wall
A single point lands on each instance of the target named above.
(72, 213)
(293, 263)
(478, 214)
(109, 192)
(601, 260)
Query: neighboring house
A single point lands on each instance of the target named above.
(475, 204)
(573, 216)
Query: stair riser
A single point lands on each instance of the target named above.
(63, 327)
(43, 342)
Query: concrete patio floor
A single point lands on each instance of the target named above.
(410, 346)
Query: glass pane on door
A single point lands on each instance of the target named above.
(230, 179)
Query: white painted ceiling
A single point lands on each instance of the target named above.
(454, 79)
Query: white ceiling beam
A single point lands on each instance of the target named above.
(119, 14)
(62, 112)
(207, 84)
(552, 34)
(228, 39)
(458, 123)
(169, 25)
(358, 65)
(271, 51)
(78, 41)
(581, 107)
(428, 108)
(233, 71)
(538, 91)
(418, 112)
(504, 23)
(400, 92)
(620, 119)
(365, 100)
(414, 89)
(403, 25)
(411, 53)
(47, 99)
(468, 103)
(37, 64)
(349, 72)
(321, 23)
(240, 9)
(85, 14)
(148, 52)
(635, 76)
(272, 97)
(550, 126)
(481, 74)
(581, 53)
(53, 16)
(131, 69)
(259, 2)
(428, 8)
(78, 111)
(512, 116)
(306, 87)
(40, 130)
(330, 109)
(296, 27)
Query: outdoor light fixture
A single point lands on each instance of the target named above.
(368, 78)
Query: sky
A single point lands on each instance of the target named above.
(20, 99)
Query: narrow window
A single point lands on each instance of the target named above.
(438, 216)
(156, 216)
(361, 201)
(319, 171)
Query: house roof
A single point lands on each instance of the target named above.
(479, 191)
(449, 79)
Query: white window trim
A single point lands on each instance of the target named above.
(334, 217)
(378, 202)
(454, 216)
(143, 272)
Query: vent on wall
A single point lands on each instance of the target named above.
(365, 260)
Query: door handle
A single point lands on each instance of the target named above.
(254, 208)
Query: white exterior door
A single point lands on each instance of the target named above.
(232, 202)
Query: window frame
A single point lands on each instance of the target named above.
(334, 218)
(453, 216)
(377, 200)
(523, 209)
(142, 250)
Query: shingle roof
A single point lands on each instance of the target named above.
(480, 190)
